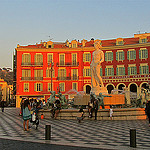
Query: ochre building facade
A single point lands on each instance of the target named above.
(127, 64)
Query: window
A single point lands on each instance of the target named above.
(120, 55)
(132, 69)
(119, 41)
(74, 45)
(74, 74)
(143, 53)
(62, 59)
(49, 58)
(87, 57)
(26, 59)
(26, 74)
(143, 40)
(144, 69)
(38, 74)
(74, 86)
(74, 59)
(38, 87)
(62, 74)
(131, 54)
(109, 71)
(48, 73)
(86, 72)
(120, 70)
(26, 87)
(49, 87)
(109, 56)
(38, 58)
(62, 87)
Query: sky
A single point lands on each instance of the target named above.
(28, 22)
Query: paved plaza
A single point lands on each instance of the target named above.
(68, 134)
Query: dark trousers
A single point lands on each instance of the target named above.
(2, 109)
(148, 117)
(95, 114)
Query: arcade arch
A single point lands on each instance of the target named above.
(87, 88)
(110, 87)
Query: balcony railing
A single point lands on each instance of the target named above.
(32, 64)
(32, 78)
(70, 64)
(68, 78)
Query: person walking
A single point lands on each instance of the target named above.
(147, 110)
(26, 114)
(2, 105)
(110, 112)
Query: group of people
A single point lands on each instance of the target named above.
(26, 107)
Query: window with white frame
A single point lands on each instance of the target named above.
(26, 87)
(120, 70)
(38, 58)
(62, 59)
(120, 55)
(26, 59)
(86, 72)
(74, 74)
(132, 70)
(86, 57)
(49, 58)
(109, 71)
(74, 59)
(131, 54)
(62, 87)
(62, 74)
(26, 74)
(38, 87)
(144, 68)
(48, 73)
(74, 86)
(109, 56)
(143, 53)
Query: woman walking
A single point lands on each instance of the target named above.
(147, 110)
(26, 115)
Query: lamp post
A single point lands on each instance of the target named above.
(52, 64)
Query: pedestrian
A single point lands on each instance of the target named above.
(21, 106)
(110, 112)
(26, 114)
(80, 115)
(95, 108)
(147, 110)
(2, 105)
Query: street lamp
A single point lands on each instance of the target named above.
(52, 64)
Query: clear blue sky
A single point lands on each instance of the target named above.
(30, 21)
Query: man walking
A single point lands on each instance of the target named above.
(2, 105)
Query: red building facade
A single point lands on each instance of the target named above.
(127, 64)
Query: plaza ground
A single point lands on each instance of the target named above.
(69, 134)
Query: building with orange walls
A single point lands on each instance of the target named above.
(127, 64)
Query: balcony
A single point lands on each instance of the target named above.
(68, 78)
(27, 64)
(32, 78)
(67, 64)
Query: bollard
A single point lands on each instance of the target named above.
(47, 132)
(133, 138)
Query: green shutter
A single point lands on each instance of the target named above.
(34, 86)
(139, 54)
(22, 57)
(65, 72)
(105, 56)
(83, 57)
(101, 73)
(90, 57)
(134, 54)
(147, 70)
(52, 46)
(58, 73)
(105, 71)
(140, 69)
(35, 58)
(135, 70)
(116, 55)
(128, 70)
(117, 70)
(83, 72)
(123, 55)
(128, 54)
(47, 73)
(112, 56)
(41, 87)
(123, 70)
(146, 53)
(112, 71)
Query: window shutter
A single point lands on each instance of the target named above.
(47, 73)
(58, 73)
(147, 70)
(41, 87)
(89, 72)
(116, 55)
(105, 56)
(35, 56)
(123, 70)
(29, 75)
(22, 57)
(105, 71)
(101, 73)
(140, 69)
(123, 55)
(64, 72)
(29, 58)
(139, 54)
(35, 73)
(112, 56)
(128, 70)
(89, 56)
(41, 58)
(134, 54)
(53, 72)
(146, 53)
(128, 54)
(135, 70)
(117, 71)
(83, 72)
(34, 86)
(83, 57)
(41, 73)
(112, 71)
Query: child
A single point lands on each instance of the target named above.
(80, 115)
(110, 112)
